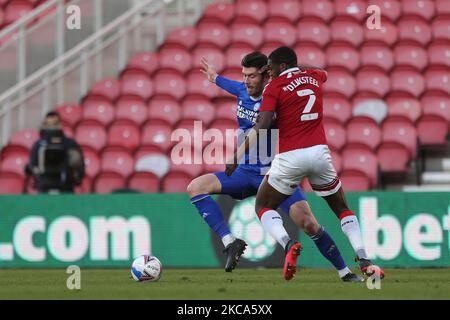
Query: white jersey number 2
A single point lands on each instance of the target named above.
(306, 115)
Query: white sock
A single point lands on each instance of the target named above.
(343, 272)
(350, 227)
(227, 239)
(273, 224)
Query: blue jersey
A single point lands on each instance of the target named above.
(257, 160)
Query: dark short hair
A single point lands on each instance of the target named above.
(52, 114)
(255, 59)
(284, 55)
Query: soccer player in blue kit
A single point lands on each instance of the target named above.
(247, 178)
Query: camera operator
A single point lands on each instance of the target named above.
(56, 161)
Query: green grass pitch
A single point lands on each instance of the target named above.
(191, 284)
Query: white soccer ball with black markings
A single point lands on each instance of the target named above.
(146, 268)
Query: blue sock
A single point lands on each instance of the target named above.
(328, 248)
(211, 213)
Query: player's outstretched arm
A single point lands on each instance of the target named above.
(231, 86)
(208, 70)
(264, 121)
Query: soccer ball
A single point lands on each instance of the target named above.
(146, 268)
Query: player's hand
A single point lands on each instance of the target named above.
(230, 168)
(208, 70)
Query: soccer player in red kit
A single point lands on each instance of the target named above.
(294, 99)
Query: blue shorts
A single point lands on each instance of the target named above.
(244, 183)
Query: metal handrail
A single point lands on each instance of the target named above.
(70, 54)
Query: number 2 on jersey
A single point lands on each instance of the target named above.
(306, 115)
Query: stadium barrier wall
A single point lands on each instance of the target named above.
(400, 230)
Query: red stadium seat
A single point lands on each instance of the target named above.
(11, 183)
(91, 162)
(373, 80)
(157, 133)
(387, 35)
(435, 137)
(436, 103)
(404, 106)
(214, 56)
(234, 55)
(247, 34)
(107, 182)
(118, 160)
(363, 130)
(146, 62)
(193, 170)
(310, 55)
(408, 81)
(253, 11)
(335, 134)
(176, 59)
(164, 108)
(92, 134)
(342, 56)
(393, 157)
(313, 31)
(25, 138)
(69, 113)
(438, 79)
(146, 182)
(288, 10)
(377, 55)
(323, 9)
(108, 88)
(440, 27)
(442, 7)
(411, 55)
(176, 182)
(68, 131)
(213, 33)
(196, 129)
(360, 157)
(414, 29)
(185, 38)
(345, 30)
(2, 17)
(198, 108)
(336, 107)
(400, 130)
(14, 159)
(279, 32)
(198, 84)
(151, 159)
(99, 109)
(15, 10)
(439, 54)
(136, 85)
(132, 109)
(225, 108)
(354, 180)
(124, 133)
(85, 187)
(219, 11)
(267, 48)
(340, 82)
(355, 9)
(390, 9)
(170, 84)
(421, 8)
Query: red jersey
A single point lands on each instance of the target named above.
(296, 98)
